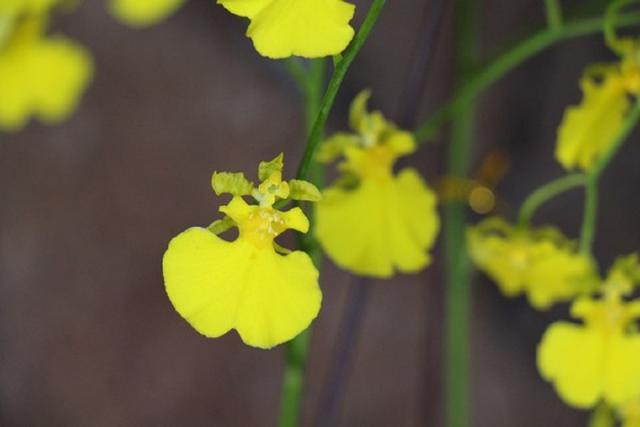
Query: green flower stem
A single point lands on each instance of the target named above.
(510, 60)
(587, 233)
(334, 85)
(317, 112)
(458, 267)
(554, 14)
(546, 193)
(310, 81)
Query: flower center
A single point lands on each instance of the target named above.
(261, 226)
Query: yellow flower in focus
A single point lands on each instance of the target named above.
(307, 28)
(370, 221)
(40, 76)
(598, 359)
(143, 13)
(539, 263)
(589, 129)
(217, 285)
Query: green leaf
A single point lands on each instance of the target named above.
(304, 190)
(232, 183)
(221, 225)
(266, 169)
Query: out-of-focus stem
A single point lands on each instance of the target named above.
(587, 233)
(458, 271)
(546, 193)
(506, 62)
(554, 14)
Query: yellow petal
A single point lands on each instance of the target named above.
(218, 286)
(307, 28)
(22, 6)
(141, 13)
(572, 358)
(45, 78)
(560, 275)
(589, 129)
(379, 226)
(622, 376)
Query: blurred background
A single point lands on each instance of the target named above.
(87, 334)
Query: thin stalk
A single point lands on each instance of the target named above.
(310, 82)
(554, 14)
(334, 85)
(546, 193)
(587, 233)
(495, 70)
(458, 271)
(297, 350)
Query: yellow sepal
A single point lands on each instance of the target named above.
(307, 28)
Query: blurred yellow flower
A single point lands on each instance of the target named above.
(217, 285)
(13, 7)
(370, 221)
(590, 128)
(142, 13)
(307, 28)
(540, 263)
(596, 360)
(40, 76)
(630, 413)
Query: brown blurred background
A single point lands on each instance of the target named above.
(87, 335)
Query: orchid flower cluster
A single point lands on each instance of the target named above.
(372, 220)
(592, 364)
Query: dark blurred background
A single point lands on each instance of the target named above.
(87, 334)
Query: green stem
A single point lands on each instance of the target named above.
(317, 113)
(554, 14)
(546, 193)
(458, 271)
(334, 85)
(587, 233)
(510, 60)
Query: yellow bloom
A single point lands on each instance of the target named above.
(217, 285)
(40, 76)
(13, 7)
(599, 358)
(588, 130)
(307, 28)
(142, 13)
(539, 263)
(371, 221)
(630, 413)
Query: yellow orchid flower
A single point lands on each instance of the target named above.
(590, 128)
(598, 359)
(219, 285)
(143, 13)
(40, 76)
(307, 28)
(14, 7)
(540, 263)
(630, 413)
(370, 221)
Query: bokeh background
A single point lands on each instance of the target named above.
(87, 335)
